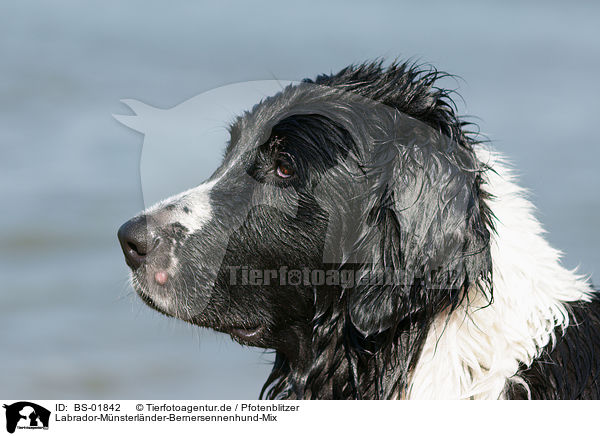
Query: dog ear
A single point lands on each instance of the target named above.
(426, 232)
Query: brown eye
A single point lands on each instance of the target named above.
(284, 170)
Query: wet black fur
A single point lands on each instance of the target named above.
(570, 370)
(362, 342)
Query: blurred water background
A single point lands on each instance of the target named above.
(70, 327)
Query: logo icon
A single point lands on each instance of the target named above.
(26, 415)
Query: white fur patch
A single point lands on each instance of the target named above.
(474, 353)
(197, 200)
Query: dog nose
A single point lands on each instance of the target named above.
(136, 241)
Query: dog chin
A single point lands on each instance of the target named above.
(157, 299)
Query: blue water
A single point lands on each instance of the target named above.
(70, 326)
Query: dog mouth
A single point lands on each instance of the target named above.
(158, 297)
(247, 335)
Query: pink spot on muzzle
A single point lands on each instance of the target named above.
(161, 277)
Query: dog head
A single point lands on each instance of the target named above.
(356, 197)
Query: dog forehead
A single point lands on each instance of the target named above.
(254, 127)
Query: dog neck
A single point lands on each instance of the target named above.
(338, 362)
(476, 351)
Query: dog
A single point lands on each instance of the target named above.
(362, 230)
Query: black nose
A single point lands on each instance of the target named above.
(136, 241)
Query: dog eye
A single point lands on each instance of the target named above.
(283, 169)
